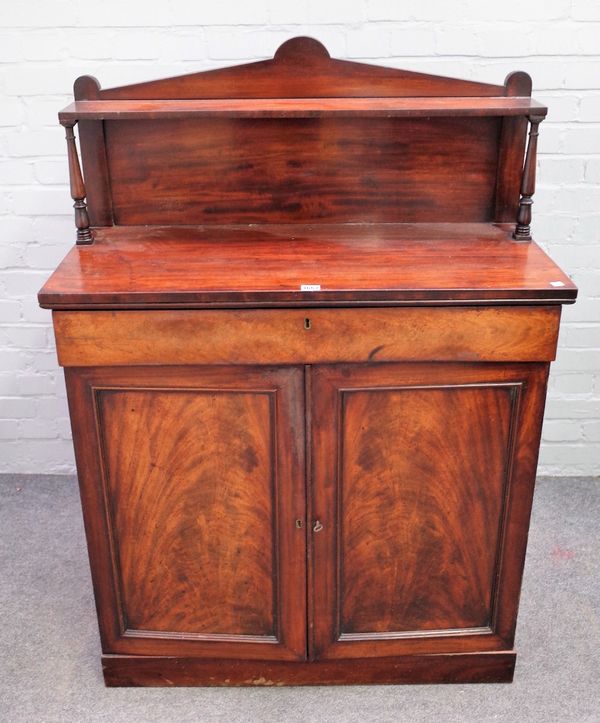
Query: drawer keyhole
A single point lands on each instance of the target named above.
(307, 323)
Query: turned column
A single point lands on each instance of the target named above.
(523, 227)
(82, 221)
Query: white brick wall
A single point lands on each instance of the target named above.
(46, 44)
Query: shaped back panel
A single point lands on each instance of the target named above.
(301, 68)
(334, 169)
(302, 170)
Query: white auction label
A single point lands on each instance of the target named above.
(310, 287)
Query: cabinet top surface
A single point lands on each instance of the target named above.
(267, 265)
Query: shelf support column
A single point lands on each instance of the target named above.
(523, 227)
(82, 221)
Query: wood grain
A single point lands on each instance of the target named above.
(297, 108)
(331, 170)
(281, 336)
(491, 667)
(511, 152)
(191, 484)
(422, 481)
(420, 493)
(301, 68)
(277, 88)
(190, 497)
(362, 519)
(266, 265)
(95, 171)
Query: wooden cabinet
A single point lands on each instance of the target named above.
(193, 482)
(306, 341)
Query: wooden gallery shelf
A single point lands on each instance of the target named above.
(306, 362)
(298, 108)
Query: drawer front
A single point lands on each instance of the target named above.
(306, 336)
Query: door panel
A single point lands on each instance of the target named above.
(413, 467)
(412, 504)
(202, 481)
(206, 562)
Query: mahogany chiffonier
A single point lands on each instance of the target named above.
(306, 337)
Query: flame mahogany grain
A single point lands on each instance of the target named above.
(190, 495)
(306, 365)
(423, 477)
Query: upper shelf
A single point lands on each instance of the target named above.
(300, 108)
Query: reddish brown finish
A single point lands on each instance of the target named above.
(177, 508)
(93, 160)
(295, 108)
(301, 68)
(362, 519)
(404, 476)
(422, 479)
(452, 668)
(523, 229)
(299, 336)
(266, 265)
(190, 499)
(285, 171)
(82, 221)
(341, 92)
(511, 152)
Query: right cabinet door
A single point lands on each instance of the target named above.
(422, 482)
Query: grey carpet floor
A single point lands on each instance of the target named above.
(49, 647)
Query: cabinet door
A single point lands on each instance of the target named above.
(422, 479)
(192, 484)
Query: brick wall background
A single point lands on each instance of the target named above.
(44, 46)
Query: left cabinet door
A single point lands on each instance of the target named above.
(193, 493)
